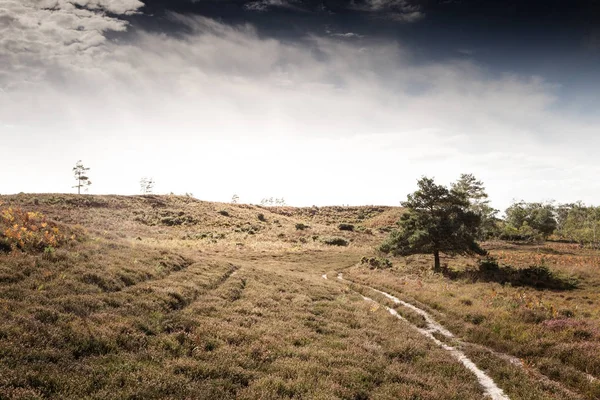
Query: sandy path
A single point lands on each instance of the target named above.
(490, 388)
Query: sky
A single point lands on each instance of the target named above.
(314, 101)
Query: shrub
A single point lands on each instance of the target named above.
(49, 253)
(475, 319)
(537, 276)
(567, 313)
(300, 227)
(167, 218)
(30, 231)
(466, 302)
(346, 227)
(488, 265)
(224, 213)
(250, 229)
(335, 241)
(261, 217)
(376, 262)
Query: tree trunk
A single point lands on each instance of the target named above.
(436, 263)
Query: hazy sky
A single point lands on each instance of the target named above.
(318, 102)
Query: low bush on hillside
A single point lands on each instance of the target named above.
(376, 262)
(261, 217)
(248, 228)
(335, 241)
(213, 236)
(346, 227)
(166, 218)
(300, 227)
(30, 231)
(488, 265)
(536, 276)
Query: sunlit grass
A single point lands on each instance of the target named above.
(234, 306)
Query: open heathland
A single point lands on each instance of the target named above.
(147, 297)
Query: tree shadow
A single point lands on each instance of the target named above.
(537, 277)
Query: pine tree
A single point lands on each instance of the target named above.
(146, 185)
(437, 220)
(80, 172)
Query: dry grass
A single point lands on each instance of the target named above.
(171, 297)
(556, 333)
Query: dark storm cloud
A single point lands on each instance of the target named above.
(489, 11)
(554, 39)
(293, 12)
(519, 35)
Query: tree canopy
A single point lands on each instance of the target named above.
(474, 190)
(437, 220)
(526, 220)
(579, 223)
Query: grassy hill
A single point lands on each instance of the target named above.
(143, 297)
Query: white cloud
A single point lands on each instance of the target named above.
(398, 10)
(222, 110)
(35, 35)
(265, 5)
(347, 35)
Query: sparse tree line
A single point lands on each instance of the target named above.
(571, 222)
(523, 221)
(147, 186)
(270, 202)
(83, 181)
(441, 218)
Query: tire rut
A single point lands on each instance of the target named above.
(434, 327)
(491, 390)
(180, 289)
